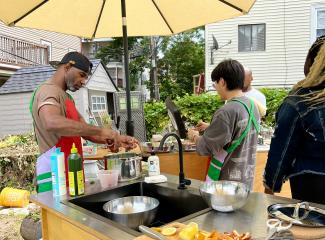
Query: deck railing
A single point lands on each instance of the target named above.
(20, 52)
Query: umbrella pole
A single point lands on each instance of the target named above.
(129, 122)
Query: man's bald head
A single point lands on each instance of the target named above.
(248, 79)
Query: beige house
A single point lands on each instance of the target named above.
(21, 47)
(272, 40)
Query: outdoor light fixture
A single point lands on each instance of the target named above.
(215, 47)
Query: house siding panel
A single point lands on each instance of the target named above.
(17, 118)
(61, 43)
(288, 38)
(100, 81)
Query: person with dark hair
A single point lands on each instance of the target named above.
(57, 123)
(297, 150)
(231, 137)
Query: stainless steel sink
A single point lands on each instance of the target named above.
(174, 204)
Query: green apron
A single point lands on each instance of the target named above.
(215, 166)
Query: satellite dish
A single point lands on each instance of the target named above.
(215, 43)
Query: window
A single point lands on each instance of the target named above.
(320, 25)
(98, 103)
(317, 21)
(49, 48)
(251, 37)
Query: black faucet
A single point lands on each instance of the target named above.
(182, 180)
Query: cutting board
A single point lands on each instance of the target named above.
(177, 225)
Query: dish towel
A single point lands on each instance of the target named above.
(155, 179)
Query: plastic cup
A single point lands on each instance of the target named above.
(108, 178)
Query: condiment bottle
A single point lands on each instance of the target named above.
(76, 175)
(153, 165)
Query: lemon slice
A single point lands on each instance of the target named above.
(168, 231)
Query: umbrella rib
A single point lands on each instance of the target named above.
(29, 12)
(163, 17)
(99, 17)
(232, 6)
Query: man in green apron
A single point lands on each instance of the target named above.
(57, 123)
(231, 137)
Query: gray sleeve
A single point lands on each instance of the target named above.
(217, 135)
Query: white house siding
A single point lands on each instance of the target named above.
(81, 100)
(288, 38)
(61, 43)
(15, 117)
(100, 81)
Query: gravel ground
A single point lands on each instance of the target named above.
(10, 226)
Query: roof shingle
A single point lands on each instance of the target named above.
(28, 78)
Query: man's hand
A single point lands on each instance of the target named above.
(268, 191)
(193, 135)
(201, 126)
(114, 140)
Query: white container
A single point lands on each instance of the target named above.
(90, 169)
(58, 173)
(61, 171)
(153, 166)
(108, 178)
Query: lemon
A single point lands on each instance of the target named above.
(157, 229)
(194, 226)
(168, 231)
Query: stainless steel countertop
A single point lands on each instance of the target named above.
(251, 218)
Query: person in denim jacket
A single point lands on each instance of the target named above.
(297, 150)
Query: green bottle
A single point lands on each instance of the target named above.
(76, 175)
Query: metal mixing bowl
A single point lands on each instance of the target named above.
(224, 196)
(132, 211)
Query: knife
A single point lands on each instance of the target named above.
(151, 233)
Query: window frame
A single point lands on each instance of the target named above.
(251, 25)
(100, 103)
(315, 8)
(49, 45)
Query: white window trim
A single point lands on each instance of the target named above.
(49, 44)
(92, 103)
(313, 21)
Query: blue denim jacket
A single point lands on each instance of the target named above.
(298, 143)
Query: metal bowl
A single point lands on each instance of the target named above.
(132, 211)
(225, 196)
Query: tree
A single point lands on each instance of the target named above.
(139, 52)
(183, 57)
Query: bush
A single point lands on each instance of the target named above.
(274, 98)
(17, 161)
(202, 107)
(193, 108)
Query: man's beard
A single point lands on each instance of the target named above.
(70, 86)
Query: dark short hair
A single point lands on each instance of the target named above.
(312, 53)
(232, 72)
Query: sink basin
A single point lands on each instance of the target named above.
(174, 204)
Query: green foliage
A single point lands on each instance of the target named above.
(17, 161)
(138, 51)
(193, 108)
(202, 107)
(183, 57)
(274, 98)
(156, 117)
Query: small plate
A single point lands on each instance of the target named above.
(312, 216)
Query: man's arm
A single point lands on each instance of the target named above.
(53, 121)
(95, 139)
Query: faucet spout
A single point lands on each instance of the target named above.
(182, 181)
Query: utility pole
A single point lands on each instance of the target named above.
(153, 74)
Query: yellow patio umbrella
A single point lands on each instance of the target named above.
(116, 18)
